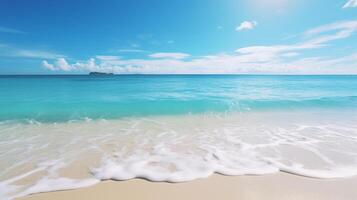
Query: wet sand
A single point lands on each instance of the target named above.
(275, 186)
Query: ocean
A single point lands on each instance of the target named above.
(69, 131)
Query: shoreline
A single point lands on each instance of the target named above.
(177, 149)
(277, 186)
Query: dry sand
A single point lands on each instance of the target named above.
(268, 187)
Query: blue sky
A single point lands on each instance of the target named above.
(178, 36)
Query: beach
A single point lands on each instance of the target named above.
(280, 186)
(88, 154)
(178, 100)
(244, 137)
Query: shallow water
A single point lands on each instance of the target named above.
(64, 98)
(68, 132)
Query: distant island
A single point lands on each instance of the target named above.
(100, 74)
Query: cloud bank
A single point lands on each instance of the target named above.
(272, 59)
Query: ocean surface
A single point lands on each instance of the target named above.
(65, 132)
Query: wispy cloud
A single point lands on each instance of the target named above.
(276, 59)
(11, 51)
(247, 25)
(350, 4)
(35, 54)
(319, 37)
(170, 55)
(10, 30)
(345, 29)
(106, 58)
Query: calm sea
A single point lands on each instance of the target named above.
(63, 98)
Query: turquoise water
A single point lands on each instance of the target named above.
(63, 98)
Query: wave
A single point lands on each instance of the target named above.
(174, 149)
(164, 107)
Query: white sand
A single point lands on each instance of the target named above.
(278, 186)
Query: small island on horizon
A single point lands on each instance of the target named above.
(100, 74)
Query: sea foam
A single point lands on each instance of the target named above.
(42, 157)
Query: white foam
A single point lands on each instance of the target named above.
(174, 149)
(60, 183)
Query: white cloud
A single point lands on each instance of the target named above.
(63, 65)
(60, 65)
(48, 66)
(247, 25)
(290, 54)
(350, 4)
(170, 55)
(107, 57)
(273, 59)
(10, 30)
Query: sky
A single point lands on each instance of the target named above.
(178, 36)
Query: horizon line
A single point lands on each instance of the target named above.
(136, 74)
